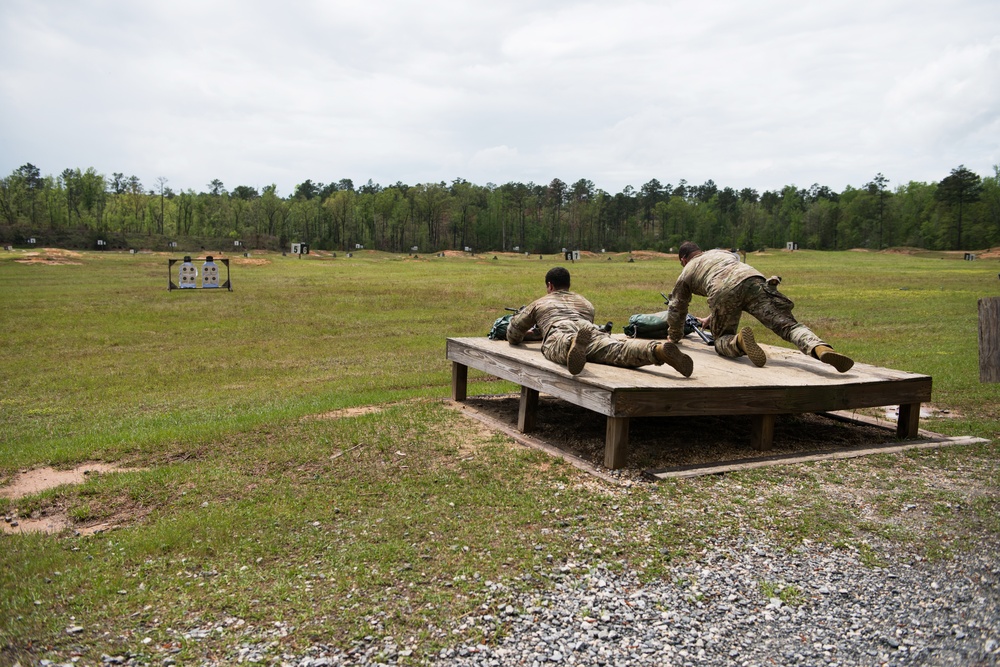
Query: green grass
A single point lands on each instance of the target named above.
(255, 497)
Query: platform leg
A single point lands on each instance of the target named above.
(459, 381)
(762, 435)
(909, 421)
(616, 443)
(527, 409)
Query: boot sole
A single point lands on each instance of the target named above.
(578, 351)
(752, 349)
(677, 360)
(838, 361)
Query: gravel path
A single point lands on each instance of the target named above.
(745, 603)
(717, 611)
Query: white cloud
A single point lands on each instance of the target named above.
(747, 94)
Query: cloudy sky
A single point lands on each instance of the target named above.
(749, 94)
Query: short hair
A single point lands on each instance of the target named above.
(687, 249)
(558, 276)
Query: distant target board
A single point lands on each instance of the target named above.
(187, 274)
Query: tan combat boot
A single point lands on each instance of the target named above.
(668, 353)
(826, 354)
(749, 347)
(577, 358)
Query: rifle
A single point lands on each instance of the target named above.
(691, 322)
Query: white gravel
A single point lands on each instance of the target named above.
(717, 611)
(743, 603)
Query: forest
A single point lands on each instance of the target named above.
(79, 208)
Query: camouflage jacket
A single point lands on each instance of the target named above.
(548, 312)
(713, 273)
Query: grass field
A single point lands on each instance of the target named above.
(292, 465)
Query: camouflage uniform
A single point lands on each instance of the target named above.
(733, 287)
(560, 315)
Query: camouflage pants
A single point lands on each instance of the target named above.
(603, 348)
(772, 308)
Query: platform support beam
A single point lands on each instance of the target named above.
(762, 433)
(616, 443)
(909, 421)
(459, 381)
(527, 409)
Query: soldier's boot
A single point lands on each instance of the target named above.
(839, 361)
(577, 357)
(748, 345)
(670, 354)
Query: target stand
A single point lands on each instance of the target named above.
(187, 274)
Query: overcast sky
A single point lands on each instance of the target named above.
(749, 94)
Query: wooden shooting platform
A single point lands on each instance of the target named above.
(790, 383)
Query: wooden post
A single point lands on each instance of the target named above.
(616, 443)
(762, 433)
(908, 425)
(527, 409)
(459, 381)
(989, 339)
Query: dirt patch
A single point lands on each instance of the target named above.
(50, 256)
(347, 413)
(656, 443)
(650, 254)
(35, 481)
(250, 261)
(52, 519)
(891, 412)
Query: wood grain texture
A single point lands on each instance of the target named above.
(527, 410)
(791, 382)
(989, 339)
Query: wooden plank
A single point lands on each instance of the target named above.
(540, 375)
(459, 381)
(616, 443)
(767, 400)
(785, 368)
(762, 432)
(854, 418)
(527, 410)
(909, 420)
(989, 339)
(749, 464)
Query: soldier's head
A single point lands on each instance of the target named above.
(556, 279)
(688, 250)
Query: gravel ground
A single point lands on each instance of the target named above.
(744, 603)
(748, 604)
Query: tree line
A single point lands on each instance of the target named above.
(959, 212)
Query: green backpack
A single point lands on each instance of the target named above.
(652, 325)
(655, 326)
(499, 329)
